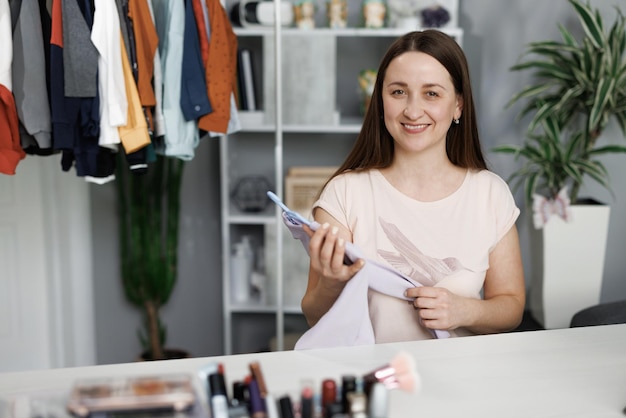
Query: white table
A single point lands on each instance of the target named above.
(579, 372)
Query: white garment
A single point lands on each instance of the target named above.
(6, 45)
(106, 35)
(347, 322)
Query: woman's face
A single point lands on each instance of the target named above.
(419, 102)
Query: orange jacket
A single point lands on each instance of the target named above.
(221, 69)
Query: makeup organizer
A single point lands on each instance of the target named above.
(212, 393)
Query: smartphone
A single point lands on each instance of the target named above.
(293, 216)
(296, 218)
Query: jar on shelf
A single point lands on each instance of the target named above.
(304, 14)
(374, 12)
(367, 80)
(337, 12)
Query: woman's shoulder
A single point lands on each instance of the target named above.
(487, 177)
(352, 177)
(488, 184)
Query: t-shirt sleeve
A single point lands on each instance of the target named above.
(506, 210)
(334, 199)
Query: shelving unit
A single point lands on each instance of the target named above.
(267, 146)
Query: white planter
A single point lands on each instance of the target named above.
(568, 261)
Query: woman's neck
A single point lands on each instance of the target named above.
(426, 181)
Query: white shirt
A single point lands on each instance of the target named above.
(106, 36)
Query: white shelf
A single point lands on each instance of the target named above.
(349, 124)
(242, 153)
(250, 219)
(348, 32)
(252, 308)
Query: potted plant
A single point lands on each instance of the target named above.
(149, 207)
(580, 87)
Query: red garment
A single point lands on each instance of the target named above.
(56, 36)
(203, 36)
(11, 151)
(221, 69)
(146, 43)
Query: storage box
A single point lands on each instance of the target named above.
(302, 187)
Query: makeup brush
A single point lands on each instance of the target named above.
(399, 373)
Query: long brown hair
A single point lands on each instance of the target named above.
(374, 146)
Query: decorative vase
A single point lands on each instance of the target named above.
(567, 274)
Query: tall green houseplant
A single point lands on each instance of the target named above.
(579, 87)
(149, 211)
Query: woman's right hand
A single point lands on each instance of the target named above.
(328, 274)
(327, 248)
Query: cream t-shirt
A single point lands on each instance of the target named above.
(444, 243)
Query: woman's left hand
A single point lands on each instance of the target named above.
(438, 308)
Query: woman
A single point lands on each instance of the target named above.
(415, 193)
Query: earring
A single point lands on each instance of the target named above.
(456, 121)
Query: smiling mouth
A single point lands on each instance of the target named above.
(421, 126)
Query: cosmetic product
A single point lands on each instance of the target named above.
(271, 406)
(286, 407)
(306, 402)
(257, 403)
(238, 411)
(240, 394)
(357, 405)
(399, 373)
(329, 394)
(378, 401)
(348, 385)
(218, 400)
(334, 410)
(255, 369)
(203, 376)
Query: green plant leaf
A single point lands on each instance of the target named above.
(592, 23)
(551, 49)
(548, 69)
(507, 149)
(544, 112)
(596, 171)
(531, 186)
(602, 97)
(608, 149)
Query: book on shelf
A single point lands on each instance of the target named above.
(247, 88)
